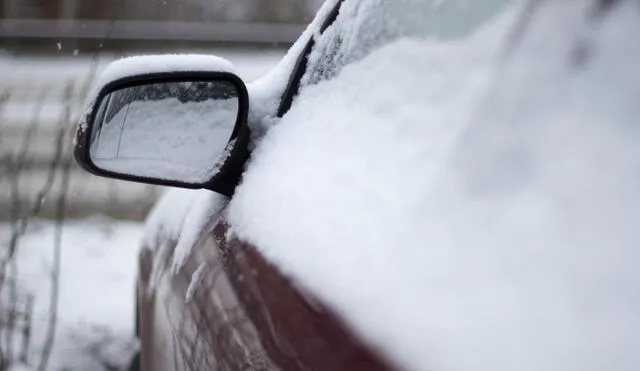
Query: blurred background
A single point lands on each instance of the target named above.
(50, 50)
(65, 234)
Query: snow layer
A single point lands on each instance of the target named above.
(464, 209)
(205, 207)
(140, 65)
(196, 278)
(179, 218)
(166, 219)
(265, 93)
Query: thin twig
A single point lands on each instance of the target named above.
(26, 330)
(55, 273)
(12, 310)
(15, 166)
(4, 166)
(57, 248)
(23, 222)
(21, 158)
(4, 98)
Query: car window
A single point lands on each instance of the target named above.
(365, 25)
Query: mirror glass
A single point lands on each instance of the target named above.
(175, 131)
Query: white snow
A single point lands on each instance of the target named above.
(178, 218)
(146, 64)
(265, 93)
(205, 207)
(97, 291)
(363, 26)
(196, 278)
(166, 219)
(463, 209)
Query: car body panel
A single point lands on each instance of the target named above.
(239, 313)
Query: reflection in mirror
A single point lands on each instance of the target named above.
(176, 131)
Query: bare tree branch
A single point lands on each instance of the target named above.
(4, 165)
(23, 222)
(16, 314)
(57, 248)
(55, 273)
(11, 310)
(31, 131)
(15, 164)
(26, 330)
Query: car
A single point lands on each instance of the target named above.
(418, 184)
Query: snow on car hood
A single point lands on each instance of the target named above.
(465, 208)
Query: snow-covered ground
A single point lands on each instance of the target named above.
(97, 288)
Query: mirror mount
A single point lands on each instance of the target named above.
(225, 172)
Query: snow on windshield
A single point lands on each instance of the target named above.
(464, 210)
(363, 26)
(265, 93)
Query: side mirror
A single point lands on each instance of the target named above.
(185, 128)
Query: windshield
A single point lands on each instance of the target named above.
(365, 25)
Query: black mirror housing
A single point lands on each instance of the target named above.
(229, 170)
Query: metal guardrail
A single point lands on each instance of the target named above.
(151, 30)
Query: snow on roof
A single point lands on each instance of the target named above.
(464, 210)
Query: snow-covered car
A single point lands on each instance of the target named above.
(419, 184)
